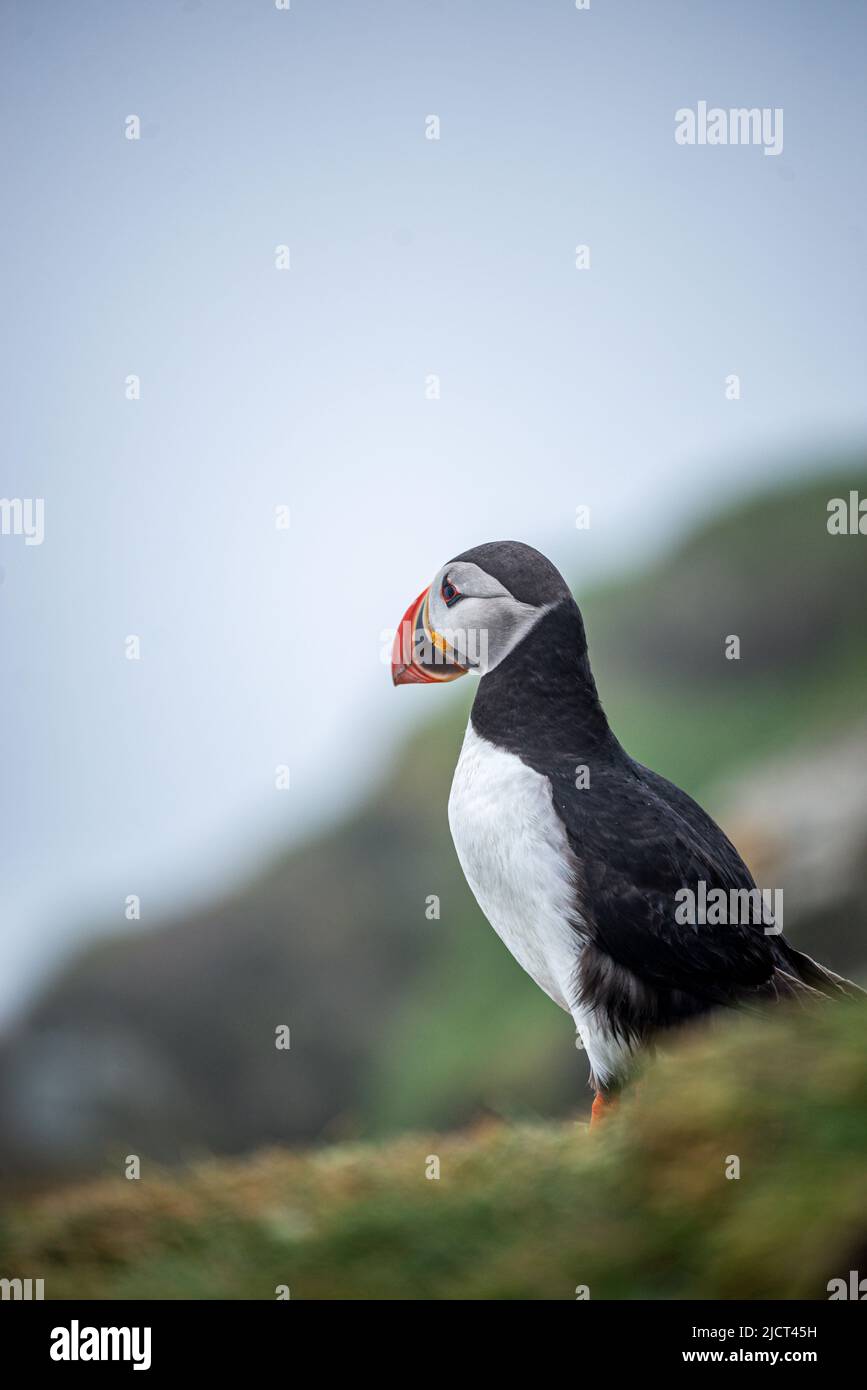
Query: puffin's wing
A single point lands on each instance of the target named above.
(637, 845)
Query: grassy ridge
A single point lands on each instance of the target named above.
(640, 1209)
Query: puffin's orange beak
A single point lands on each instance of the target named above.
(420, 654)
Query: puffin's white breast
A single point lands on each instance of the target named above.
(516, 858)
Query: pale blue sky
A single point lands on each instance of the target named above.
(259, 387)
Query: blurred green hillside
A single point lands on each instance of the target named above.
(767, 572)
(645, 1207)
(162, 1043)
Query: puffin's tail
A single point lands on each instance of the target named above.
(802, 974)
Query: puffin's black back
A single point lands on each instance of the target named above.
(637, 839)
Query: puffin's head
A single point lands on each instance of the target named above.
(478, 608)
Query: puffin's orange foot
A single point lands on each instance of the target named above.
(601, 1109)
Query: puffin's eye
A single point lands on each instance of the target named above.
(449, 593)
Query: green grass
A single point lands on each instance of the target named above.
(640, 1209)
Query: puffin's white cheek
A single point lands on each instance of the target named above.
(470, 642)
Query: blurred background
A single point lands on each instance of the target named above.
(311, 388)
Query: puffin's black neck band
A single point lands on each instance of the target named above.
(541, 699)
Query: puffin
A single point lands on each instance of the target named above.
(584, 861)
